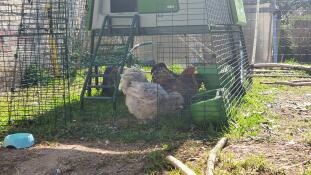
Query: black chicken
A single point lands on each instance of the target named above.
(109, 80)
(185, 84)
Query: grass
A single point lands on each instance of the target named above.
(190, 148)
(294, 61)
(307, 137)
(254, 109)
(70, 122)
(156, 162)
(251, 113)
(80, 123)
(92, 125)
(252, 164)
(246, 123)
(308, 170)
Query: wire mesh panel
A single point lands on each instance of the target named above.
(294, 30)
(207, 64)
(37, 42)
(190, 53)
(283, 30)
(219, 12)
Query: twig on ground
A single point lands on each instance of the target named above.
(298, 81)
(290, 83)
(17, 171)
(283, 66)
(213, 156)
(181, 166)
(298, 164)
(277, 76)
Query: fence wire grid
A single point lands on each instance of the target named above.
(46, 49)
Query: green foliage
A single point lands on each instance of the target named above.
(78, 60)
(74, 64)
(155, 162)
(35, 75)
(286, 44)
(291, 61)
(148, 75)
(308, 170)
(176, 68)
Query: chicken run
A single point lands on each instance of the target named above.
(162, 59)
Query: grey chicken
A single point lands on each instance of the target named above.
(146, 100)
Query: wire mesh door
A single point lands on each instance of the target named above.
(38, 38)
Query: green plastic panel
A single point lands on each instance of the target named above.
(238, 12)
(158, 6)
(211, 76)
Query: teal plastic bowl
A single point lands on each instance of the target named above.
(19, 141)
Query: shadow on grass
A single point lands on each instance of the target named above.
(71, 124)
(95, 122)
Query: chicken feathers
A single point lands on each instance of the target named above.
(185, 84)
(146, 100)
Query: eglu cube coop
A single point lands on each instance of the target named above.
(53, 58)
(206, 34)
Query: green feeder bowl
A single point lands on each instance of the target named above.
(209, 107)
(211, 76)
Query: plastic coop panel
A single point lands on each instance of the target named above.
(153, 13)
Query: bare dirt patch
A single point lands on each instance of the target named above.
(285, 141)
(78, 158)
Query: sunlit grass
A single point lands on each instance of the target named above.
(249, 116)
(252, 164)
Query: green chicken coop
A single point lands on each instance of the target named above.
(204, 33)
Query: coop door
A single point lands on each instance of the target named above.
(121, 6)
(158, 6)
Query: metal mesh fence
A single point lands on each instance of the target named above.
(38, 40)
(46, 55)
(283, 30)
(294, 30)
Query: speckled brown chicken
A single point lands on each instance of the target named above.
(185, 84)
